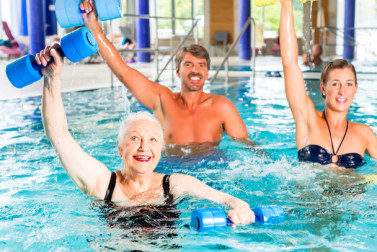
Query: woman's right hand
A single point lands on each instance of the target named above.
(240, 213)
(54, 68)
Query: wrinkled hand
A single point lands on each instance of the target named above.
(90, 16)
(55, 67)
(240, 213)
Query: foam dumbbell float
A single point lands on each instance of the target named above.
(76, 46)
(69, 14)
(207, 219)
(264, 2)
(272, 2)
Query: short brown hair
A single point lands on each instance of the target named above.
(336, 64)
(196, 50)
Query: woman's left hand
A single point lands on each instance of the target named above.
(240, 213)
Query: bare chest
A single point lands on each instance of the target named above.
(201, 124)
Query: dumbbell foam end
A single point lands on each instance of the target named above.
(268, 214)
(22, 73)
(109, 9)
(79, 44)
(68, 13)
(203, 220)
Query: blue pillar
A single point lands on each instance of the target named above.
(22, 18)
(51, 23)
(244, 46)
(349, 30)
(36, 25)
(143, 39)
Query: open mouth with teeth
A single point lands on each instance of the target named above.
(341, 100)
(195, 78)
(142, 158)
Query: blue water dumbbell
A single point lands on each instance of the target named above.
(203, 220)
(76, 46)
(69, 14)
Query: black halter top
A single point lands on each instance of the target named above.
(318, 154)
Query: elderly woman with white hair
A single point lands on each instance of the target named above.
(140, 143)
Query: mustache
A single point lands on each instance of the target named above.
(195, 74)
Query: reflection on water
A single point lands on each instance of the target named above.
(327, 209)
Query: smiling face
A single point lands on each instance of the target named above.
(141, 146)
(339, 89)
(193, 72)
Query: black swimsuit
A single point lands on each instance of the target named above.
(110, 188)
(318, 154)
(162, 216)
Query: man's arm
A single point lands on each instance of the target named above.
(90, 175)
(145, 91)
(234, 126)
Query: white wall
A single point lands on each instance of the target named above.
(9, 14)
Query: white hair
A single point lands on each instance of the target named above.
(130, 118)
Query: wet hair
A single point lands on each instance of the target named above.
(196, 50)
(336, 64)
(132, 117)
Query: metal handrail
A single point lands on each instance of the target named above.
(156, 17)
(368, 46)
(249, 20)
(157, 50)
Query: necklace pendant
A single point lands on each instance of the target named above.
(334, 159)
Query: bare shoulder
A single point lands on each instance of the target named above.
(180, 183)
(363, 129)
(164, 90)
(176, 178)
(219, 100)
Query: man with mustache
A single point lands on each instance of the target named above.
(188, 116)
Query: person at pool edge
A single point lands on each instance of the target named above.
(324, 137)
(140, 143)
(189, 116)
(314, 58)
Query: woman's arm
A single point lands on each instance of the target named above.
(301, 105)
(185, 184)
(90, 175)
(372, 141)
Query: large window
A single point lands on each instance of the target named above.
(179, 9)
(269, 17)
(366, 30)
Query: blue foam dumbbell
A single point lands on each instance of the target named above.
(68, 12)
(203, 220)
(76, 46)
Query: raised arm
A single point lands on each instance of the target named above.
(240, 212)
(301, 105)
(90, 175)
(144, 90)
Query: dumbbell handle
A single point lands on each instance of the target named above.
(260, 216)
(38, 67)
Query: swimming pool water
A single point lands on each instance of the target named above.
(41, 208)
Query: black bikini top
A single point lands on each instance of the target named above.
(110, 188)
(318, 154)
